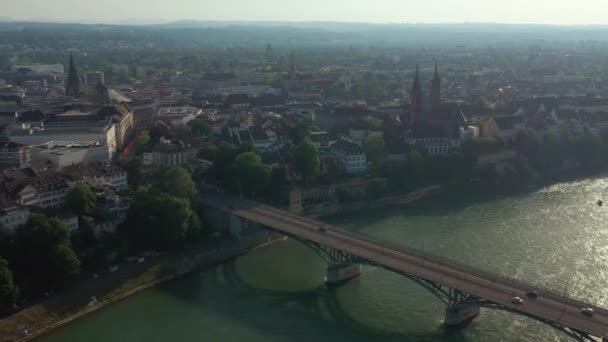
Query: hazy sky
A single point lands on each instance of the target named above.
(378, 11)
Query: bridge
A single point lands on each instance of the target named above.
(464, 289)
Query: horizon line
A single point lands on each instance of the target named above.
(158, 22)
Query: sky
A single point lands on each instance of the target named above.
(563, 12)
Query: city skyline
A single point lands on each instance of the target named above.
(559, 12)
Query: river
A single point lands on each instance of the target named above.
(554, 237)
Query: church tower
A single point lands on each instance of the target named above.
(292, 64)
(436, 89)
(73, 86)
(415, 98)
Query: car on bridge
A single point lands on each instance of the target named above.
(532, 294)
(517, 300)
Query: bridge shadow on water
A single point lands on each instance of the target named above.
(314, 314)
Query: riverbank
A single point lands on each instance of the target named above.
(336, 208)
(93, 294)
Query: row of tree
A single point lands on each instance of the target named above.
(39, 257)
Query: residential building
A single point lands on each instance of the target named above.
(111, 207)
(99, 174)
(178, 116)
(70, 220)
(13, 154)
(170, 153)
(45, 192)
(350, 155)
(322, 140)
(504, 127)
(13, 216)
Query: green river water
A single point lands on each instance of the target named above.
(555, 237)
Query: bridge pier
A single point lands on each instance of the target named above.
(337, 274)
(459, 314)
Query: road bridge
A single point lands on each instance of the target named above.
(464, 289)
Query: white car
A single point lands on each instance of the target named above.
(587, 312)
(517, 300)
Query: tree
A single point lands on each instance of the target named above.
(527, 143)
(174, 180)
(588, 150)
(200, 127)
(252, 174)
(334, 171)
(142, 141)
(301, 130)
(306, 160)
(81, 200)
(279, 191)
(375, 149)
(372, 123)
(416, 166)
(44, 254)
(158, 221)
(8, 289)
(134, 168)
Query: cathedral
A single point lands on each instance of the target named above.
(431, 123)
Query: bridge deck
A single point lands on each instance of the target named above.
(549, 306)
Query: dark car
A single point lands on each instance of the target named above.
(532, 294)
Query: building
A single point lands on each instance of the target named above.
(322, 140)
(73, 125)
(415, 98)
(70, 220)
(262, 140)
(122, 117)
(13, 217)
(503, 127)
(111, 207)
(436, 146)
(65, 153)
(99, 174)
(350, 155)
(178, 116)
(47, 69)
(144, 112)
(13, 154)
(435, 89)
(94, 78)
(170, 153)
(45, 192)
